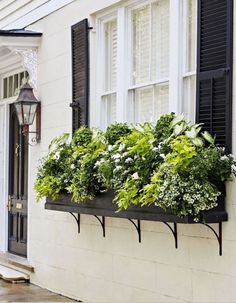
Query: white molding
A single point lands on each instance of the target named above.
(99, 72)
(23, 41)
(175, 63)
(121, 99)
(30, 62)
(4, 185)
(37, 14)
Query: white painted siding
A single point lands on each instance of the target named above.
(117, 268)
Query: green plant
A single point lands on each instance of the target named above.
(52, 172)
(172, 164)
(116, 131)
(84, 182)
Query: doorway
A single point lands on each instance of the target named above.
(18, 187)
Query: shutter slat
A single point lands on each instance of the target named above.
(80, 74)
(214, 68)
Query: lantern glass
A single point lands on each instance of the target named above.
(19, 112)
(26, 112)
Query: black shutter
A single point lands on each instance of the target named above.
(214, 69)
(80, 74)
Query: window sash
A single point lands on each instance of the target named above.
(148, 60)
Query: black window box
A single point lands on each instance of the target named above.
(102, 205)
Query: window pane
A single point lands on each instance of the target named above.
(160, 39)
(22, 77)
(141, 44)
(144, 107)
(16, 85)
(10, 88)
(111, 54)
(191, 35)
(109, 109)
(161, 100)
(189, 98)
(5, 87)
(151, 102)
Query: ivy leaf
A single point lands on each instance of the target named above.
(208, 137)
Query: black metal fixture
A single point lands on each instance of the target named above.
(27, 108)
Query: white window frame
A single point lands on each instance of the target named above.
(124, 90)
(101, 73)
(186, 75)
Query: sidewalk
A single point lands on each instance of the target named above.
(25, 292)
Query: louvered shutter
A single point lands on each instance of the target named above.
(80, 74)
(214, 68)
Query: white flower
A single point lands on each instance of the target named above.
(109, 147)
(121, 147)
(115, 156)
(129, 160)
(162, 156)
(57, 156)
(118, 167)
(135, 176)
(224, 157)
(72, 166)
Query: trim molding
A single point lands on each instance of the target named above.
(37, 14)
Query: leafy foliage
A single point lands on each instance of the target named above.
(172, 164)
(116, 131)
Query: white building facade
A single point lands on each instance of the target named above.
(142, 60)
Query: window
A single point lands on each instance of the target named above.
(12, 84)
(139, 36)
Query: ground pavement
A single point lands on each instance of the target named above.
(25, 292)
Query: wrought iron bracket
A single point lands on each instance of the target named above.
(102, 222)
(218, 236)
(137, 227)
(77, 219)
(174, 232)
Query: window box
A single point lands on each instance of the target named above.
(102, 205)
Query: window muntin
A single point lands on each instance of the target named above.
(13, 83)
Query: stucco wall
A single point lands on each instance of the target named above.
(116, 268)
